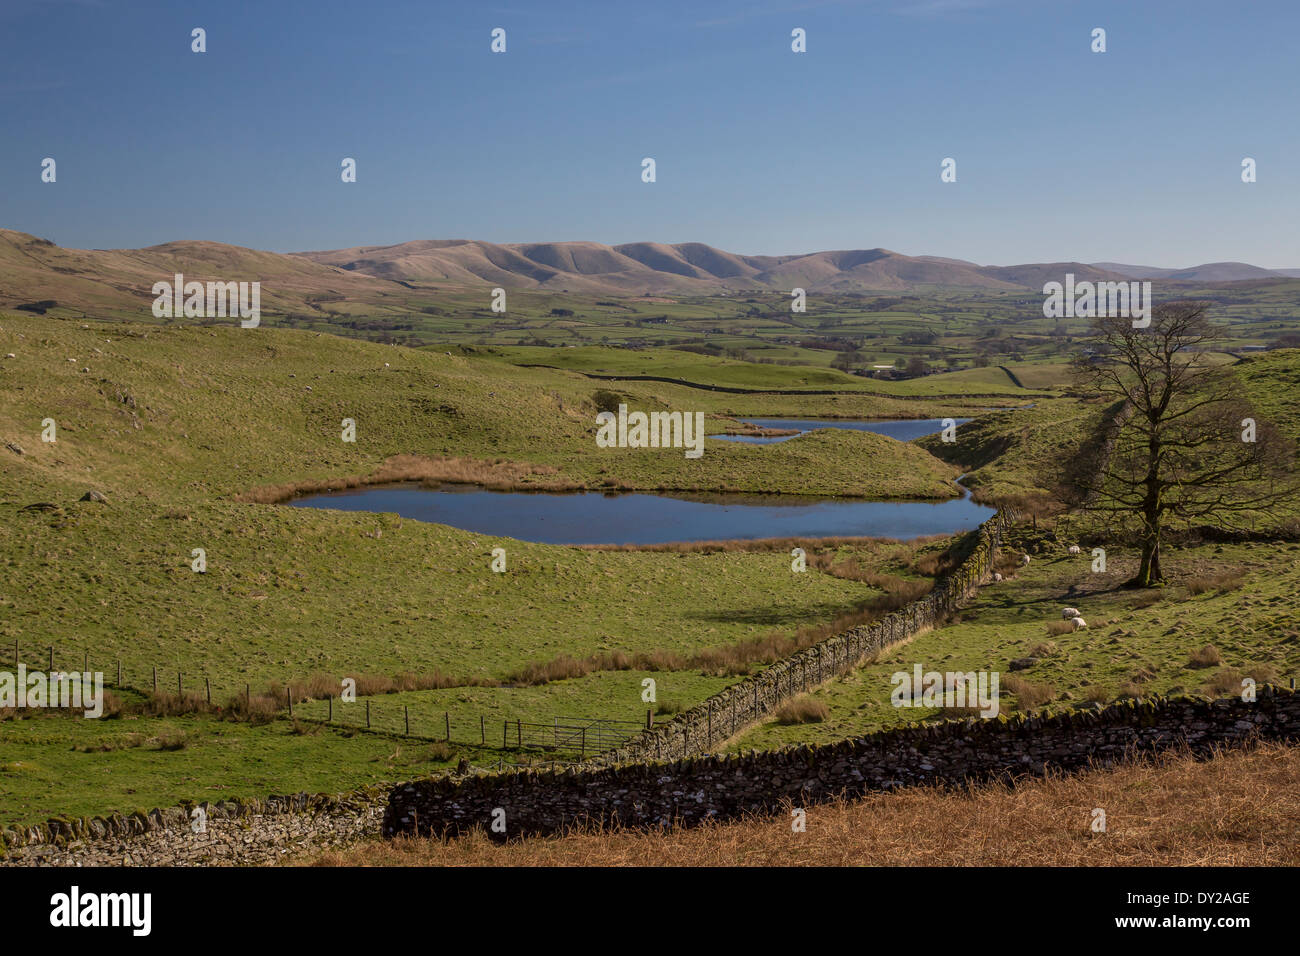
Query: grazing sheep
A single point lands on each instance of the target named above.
(1079, 623)
(1069, 612)
(1024, 560)
(996, 577)
(1074, 549)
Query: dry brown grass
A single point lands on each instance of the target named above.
(1207, 656)
(1226, 680)
(320, 686)
(1238, 809)
(1223, 581)
(1057, 628)
(1096, 693)
(1029, 695)
(802, 710)
(499, 475)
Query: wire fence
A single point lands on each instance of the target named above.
(562, 737)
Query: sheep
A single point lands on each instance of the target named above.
(1074, 549)
(996, 577)
(1069, 612)
(1024, 560)
(1079, 623)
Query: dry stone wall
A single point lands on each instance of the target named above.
(234, 833)
(721, 716)
(687, 792)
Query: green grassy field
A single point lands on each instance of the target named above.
(1243, 600)
(174, 425)
(192, 434)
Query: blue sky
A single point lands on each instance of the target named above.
(1133, 155)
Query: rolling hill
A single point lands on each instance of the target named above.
(690, 267)
(1205, 272)
(392, 282)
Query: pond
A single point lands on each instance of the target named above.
(640, 519)
(904, 429)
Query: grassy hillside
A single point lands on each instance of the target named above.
(190, 433)
(1241, 600)
(209, 413)
(174, 426)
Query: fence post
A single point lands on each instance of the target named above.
(505, 729)
(446, 720)
(367, 713)
(650, 714)
(482, 729)
(180, 686)
(330, 718)
(119, 673)
(582, 754)
(207, 683)
(85, 662)
(289, 697)
(50, 670)
(155, 678)
(406, 712)
(519, 734)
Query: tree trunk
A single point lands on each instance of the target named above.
(1149, 575)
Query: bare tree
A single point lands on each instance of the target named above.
(1182, 442)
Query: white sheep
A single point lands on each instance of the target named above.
(1074, 549)
(1069, 612)
(1079, 623)
(996, 577)
(1024, 560)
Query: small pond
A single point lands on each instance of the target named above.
(904, 429)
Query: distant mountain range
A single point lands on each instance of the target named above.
(692, 267)
(1206, 272)
(34, 270)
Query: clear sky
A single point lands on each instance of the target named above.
(1133, 155)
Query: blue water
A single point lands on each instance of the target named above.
(901, 430)
(640, 519)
